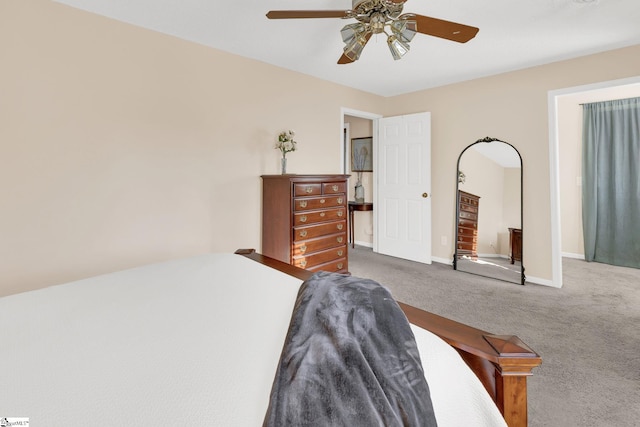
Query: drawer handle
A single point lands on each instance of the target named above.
(459, 246)
(340, 226)
(460, 230)
(339, 200)
(340, 252)
(340, 266)
(303, 204)
(322, 201)
(309, 190)
(335, 188)
(303, 263)
(340, 213)
(303, 233)
(303, 218)
(340, 239)
(322, 214)
(303, 248)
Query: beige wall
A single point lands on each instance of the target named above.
(121, 146)
(486, 179)
(499, 191)
(511, 215)
(513, 107)
(570, 158)
(363, 221)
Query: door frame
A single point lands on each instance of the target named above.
(344, 111)
(554, 169)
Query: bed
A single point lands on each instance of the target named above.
(196, 341)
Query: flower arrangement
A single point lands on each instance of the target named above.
(286, 143)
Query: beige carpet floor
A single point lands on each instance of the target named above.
(587, 332)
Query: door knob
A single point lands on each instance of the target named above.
(425, 195)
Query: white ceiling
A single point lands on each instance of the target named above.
(514, 34)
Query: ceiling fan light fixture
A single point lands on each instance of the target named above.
(354, 49)
(351, 32)
(354, 38)
(404, 29)
(398, 47)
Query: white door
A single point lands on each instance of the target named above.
(403, 194)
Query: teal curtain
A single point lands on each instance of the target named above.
(611, 182)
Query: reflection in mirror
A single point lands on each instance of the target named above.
(489, 211)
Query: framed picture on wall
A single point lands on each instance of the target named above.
(362, 154)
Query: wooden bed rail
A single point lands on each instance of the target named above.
(501, 362)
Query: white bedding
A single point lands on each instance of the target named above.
(191, 342)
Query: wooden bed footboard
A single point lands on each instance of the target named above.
(501, 362)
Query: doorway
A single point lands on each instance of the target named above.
(355, 125)
(400, 223)
(558, 183)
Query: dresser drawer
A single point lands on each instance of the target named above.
(318, 244)
(317, 258)
(468, 215)
(334, 187)
(308, 232)
(467, 232)
(468, 208)
(314, 203)
(467, 239)
(468, 223)
(338, 266)
(313, 189)
(466, 246)
(303, 218)
(468, 200)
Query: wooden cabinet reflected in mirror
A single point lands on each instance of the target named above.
(489, 211)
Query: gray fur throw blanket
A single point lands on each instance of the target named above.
(349, 359)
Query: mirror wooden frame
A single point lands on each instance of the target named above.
(455, 254)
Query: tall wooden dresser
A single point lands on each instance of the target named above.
(304, 220)
(468, 205)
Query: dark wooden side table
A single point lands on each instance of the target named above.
(515, 245)
(356, 206)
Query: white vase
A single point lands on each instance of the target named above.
(359, 196)
(283, 165)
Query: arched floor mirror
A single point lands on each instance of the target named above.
(489, 211)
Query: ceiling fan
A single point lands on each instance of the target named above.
(373, 17)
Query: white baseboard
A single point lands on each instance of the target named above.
(365, 244)
(493, 256)
(539, 281)
(442, 260)
(574, 256)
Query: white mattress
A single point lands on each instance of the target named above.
(191, 342)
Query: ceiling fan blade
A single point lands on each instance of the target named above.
(344, 59)
(296, 14)
(440, 28)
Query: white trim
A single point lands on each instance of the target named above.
(539, 281)
(554, 180)
(574, 256)
(365, 244)
(493, 255)
(442, 260)
(374, 117)
(345, 137)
